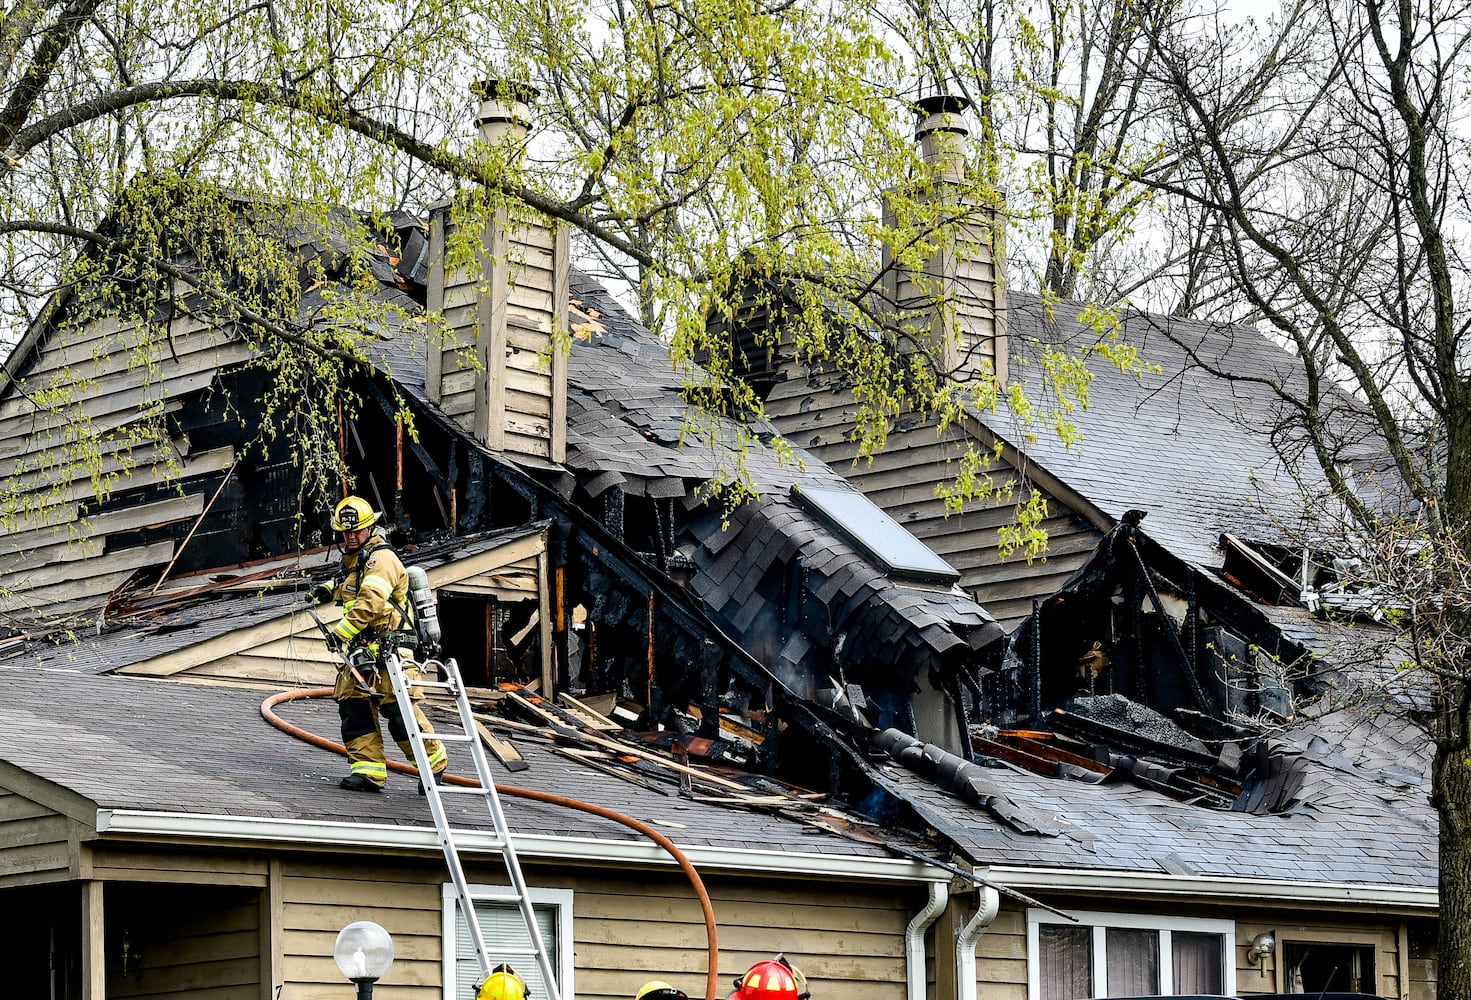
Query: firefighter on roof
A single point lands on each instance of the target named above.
(373, 592)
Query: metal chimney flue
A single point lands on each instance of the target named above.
(940, 132)
(505, 110)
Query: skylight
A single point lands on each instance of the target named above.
(862, 523)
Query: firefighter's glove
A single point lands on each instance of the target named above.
(322, 593)
(334, 643)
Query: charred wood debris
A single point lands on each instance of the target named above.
(1142, 669)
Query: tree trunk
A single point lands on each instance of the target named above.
(1453, 801)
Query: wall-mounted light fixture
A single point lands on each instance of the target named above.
(130, 953)
(1261, 946)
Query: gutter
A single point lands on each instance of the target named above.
(988, 904)
(117, 822)
(1094, 881)
(914, 966)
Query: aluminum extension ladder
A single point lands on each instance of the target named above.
(469, 734)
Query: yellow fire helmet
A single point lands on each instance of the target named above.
(353, 513)
(656, 990)
(503, 984)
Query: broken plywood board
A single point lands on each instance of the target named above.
(559, 724)
(504, 750)
(587, 713)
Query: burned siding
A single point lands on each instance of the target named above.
(813, 406)
(1140, 623)
(818, 612)
(185, 480)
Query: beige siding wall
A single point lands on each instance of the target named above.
(817, 414)
(34, 842)
(1001, 954)
(960, 291)
(161, 865)
(185, 942)
(1420, 952)
(510, 313)
(627, 930)
(1271, 976)
(1001, 957)
(847, 940)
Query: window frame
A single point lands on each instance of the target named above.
(1379, 941)
(559, 901)
(1100, 921)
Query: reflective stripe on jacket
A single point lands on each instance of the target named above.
(373, 582)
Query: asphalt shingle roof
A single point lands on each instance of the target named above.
(1193, 449)
(140, 744)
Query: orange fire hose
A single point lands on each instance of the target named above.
(712, 975)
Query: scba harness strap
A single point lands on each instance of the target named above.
(407, 637)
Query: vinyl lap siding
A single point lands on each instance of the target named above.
(818, 414)
(627, 929)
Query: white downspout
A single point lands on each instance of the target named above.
(914, 939)
(988, 903)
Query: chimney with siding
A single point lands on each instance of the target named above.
(955, 307)
(510, 310)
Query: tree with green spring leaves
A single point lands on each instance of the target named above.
(690, 147)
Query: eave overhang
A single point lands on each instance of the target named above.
(1125, 884)
(262, 830)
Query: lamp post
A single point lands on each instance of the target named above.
(363, 952)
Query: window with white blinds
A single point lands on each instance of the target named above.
(504, 931)
(1125, 955)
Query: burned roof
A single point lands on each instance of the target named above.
(626, 423)
(139, 626)
(626, 416)
(1357, 813)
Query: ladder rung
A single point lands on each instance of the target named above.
(450, 737)
(497, 897)
(499, 841)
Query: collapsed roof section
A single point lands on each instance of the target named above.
(658, 600)
(798, 593)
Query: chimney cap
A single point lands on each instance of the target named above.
(940, 113)
(941, 104)
(505, 108)
(503, 90)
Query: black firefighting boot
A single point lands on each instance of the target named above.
(357, 783)
(438, 780)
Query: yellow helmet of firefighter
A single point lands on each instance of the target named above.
(352, 514)
(502, 984)
(657, 990)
